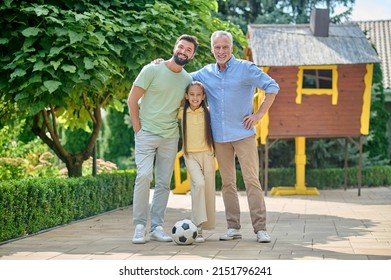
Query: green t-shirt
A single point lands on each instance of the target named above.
(164, 91)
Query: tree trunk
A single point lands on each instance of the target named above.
(45, 126)
(74, 167)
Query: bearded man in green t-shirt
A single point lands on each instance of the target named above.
(153, 104)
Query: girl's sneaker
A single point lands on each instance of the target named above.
(199, 238)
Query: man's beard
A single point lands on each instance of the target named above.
(180, 61)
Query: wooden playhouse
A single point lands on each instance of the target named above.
(325, 75)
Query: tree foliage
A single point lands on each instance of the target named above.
(118, 139)
(377, 141)
(64, 60)
(244, 12)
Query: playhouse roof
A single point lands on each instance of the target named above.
(295, 45)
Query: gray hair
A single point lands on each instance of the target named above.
(221, 33)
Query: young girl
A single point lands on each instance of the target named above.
(199, 156)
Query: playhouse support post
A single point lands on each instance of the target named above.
(300, 187)
(300, 160)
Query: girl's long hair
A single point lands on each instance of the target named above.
(208, 130)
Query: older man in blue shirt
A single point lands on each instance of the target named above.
(230, 85)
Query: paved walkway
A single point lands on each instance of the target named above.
(336, 225)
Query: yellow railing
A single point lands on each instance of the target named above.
(181, 186)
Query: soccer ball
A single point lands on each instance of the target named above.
(184, 232)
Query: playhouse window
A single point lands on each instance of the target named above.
(317, 80)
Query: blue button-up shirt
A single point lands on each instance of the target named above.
(230, 95)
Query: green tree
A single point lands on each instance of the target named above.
(74, 139)
(244, 12)
(377, 142)
(118, 139)
(63, 61)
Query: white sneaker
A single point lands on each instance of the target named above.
(159, 235)
(263, 236)
(139, 235)
(231, 233)
(199, 238)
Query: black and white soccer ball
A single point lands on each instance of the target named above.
(184, 232)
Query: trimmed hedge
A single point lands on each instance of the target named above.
(31, 205)
(331, 178)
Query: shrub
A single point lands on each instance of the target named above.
(31, 205)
